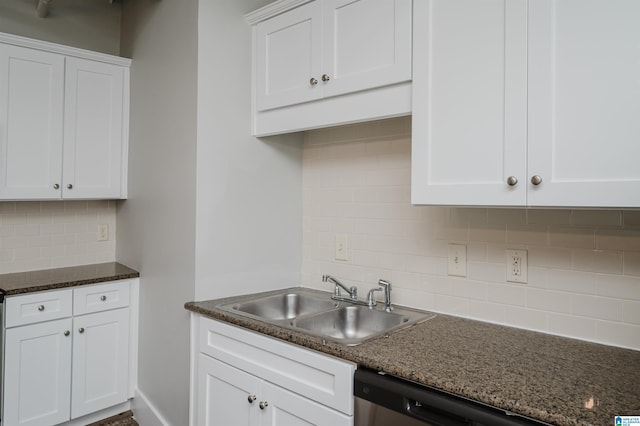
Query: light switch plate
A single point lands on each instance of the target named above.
(103, 232)
(457, 264)
(342, 247)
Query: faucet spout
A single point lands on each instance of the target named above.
(353, 291)
(386, 285)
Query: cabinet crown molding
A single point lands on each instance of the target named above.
(64, 50)
(273, 9)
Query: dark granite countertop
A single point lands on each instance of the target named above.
(558, 380)
(50, 279)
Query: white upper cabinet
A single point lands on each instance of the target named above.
(31, 114)
(93, 129)
(330, 62)
(584, 102)
(63, 122)
(526, 103)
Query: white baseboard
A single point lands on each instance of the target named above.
(145, 413)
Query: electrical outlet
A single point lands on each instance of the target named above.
(517, 266)
(342, 248)
(457, 264)
(103, 232)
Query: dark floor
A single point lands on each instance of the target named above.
(122, 419)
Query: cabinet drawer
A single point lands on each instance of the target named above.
(38, 307)
(319, 377)
(100, 297)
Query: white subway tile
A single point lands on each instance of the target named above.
(632, 263)
(619, 334)
(477, 252)
(451, 305)
(39, 217)
(572, 237)
(606, 262)
(538, 277)
(6, 231)
(570, 326)
(507, 217)
(26, 230)
(468, 289)
(489, 234)
(51, 206)
(529, 319)
(39, 241)
(7, 207)
(28, 206)
(531, 234)
(38, 264)
(547, 300)
(13, 243)
(550, 257)
(507, 294)
(414, 298)
(548, 217)
(631, 312)
(620, 287)
(489, 272)
(597, 218)
(573, 281)
(27, 253)
(18, 218)
(484, 311)
(596, 307)
(614, 239)
(631, 218)
(6, 255)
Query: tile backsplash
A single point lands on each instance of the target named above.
(54, 234)
(583, 265)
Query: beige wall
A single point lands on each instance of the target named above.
(584, 265)
(156, 225)
(87, 24)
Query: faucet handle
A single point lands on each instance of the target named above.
(384, 283)
(371, 300)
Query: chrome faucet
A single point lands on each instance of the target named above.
(386, 286)
(353, 291)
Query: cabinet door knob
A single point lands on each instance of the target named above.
(103, 298)
(313, 81)
(56, 186)
(69, 186)
(67, 333)
(81, 330)
(41, 308)
(263, 405)
(512, 181)
(325, 77)
(536, 180)
(251, 398)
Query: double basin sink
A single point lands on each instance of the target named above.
(315, 313)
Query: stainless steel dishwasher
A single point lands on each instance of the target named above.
(384, 400)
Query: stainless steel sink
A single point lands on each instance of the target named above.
(313, 312)
(354, 324)
(284, 306)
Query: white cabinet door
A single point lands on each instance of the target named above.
(31, 111)
(93, 129)
(469, 102)
(584, 102)
(37, 374)
(288, 56)
(366, 44)
(285, 408)
(226, 395)
(100, 361)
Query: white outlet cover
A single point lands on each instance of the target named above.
(517, 266)
(457, 260)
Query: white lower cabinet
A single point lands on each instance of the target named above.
(62, 368)
(244, 378)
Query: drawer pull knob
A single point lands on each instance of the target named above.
(251, 398)
(69, 186)
(263, 405)
(325, 78)
(67, 333)
(103, 298)
(41, 308)
(536, 180)
(313, 81)
(56, 186)
(81, 330)
(512, 181)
